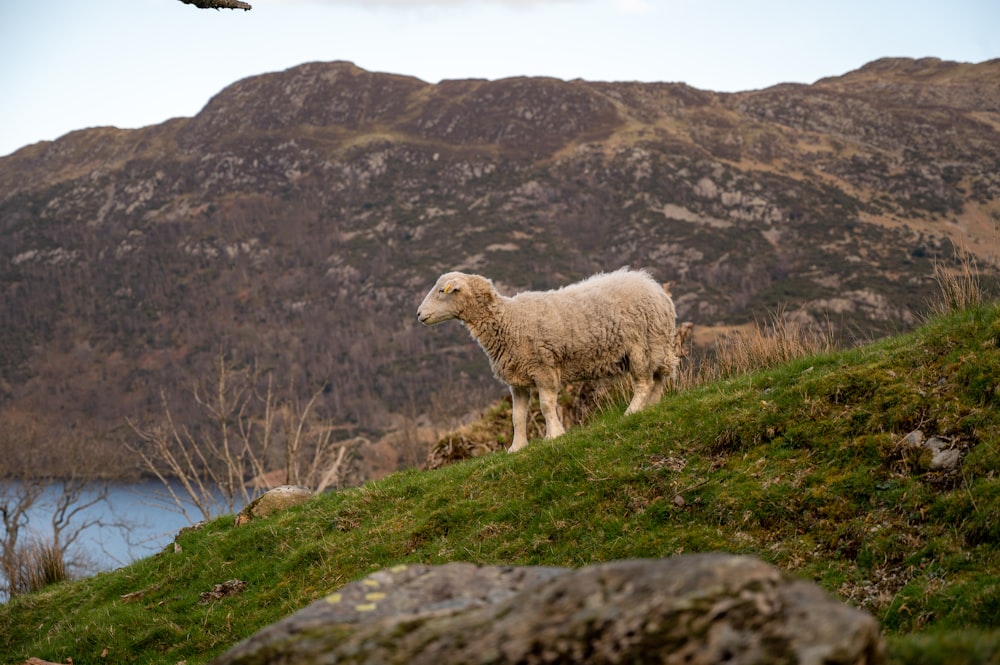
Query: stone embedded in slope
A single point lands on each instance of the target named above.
(944, 456)
(704, 608)
(273, 501)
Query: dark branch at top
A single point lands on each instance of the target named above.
(218, 4)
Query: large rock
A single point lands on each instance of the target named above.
(705, 608)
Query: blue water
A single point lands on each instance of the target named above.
(136, 521)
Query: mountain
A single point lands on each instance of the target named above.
(298, 219)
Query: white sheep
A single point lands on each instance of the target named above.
(610, 324)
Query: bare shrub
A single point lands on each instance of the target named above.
(248, 440)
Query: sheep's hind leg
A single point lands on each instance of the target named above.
(656, 394)
(640, 398)
(548, 398)
(665, 376)
(519, 399)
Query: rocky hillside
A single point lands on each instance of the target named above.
(298, 219)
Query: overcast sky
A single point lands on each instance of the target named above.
(71, 64)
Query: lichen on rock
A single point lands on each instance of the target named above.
(703, 608)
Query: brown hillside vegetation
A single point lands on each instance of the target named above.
(294, 223)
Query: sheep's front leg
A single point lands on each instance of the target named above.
(548, 397)
(519, 397)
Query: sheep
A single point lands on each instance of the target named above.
(610, 324)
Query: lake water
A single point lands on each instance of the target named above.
(138, 520)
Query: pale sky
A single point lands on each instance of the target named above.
(72, 64)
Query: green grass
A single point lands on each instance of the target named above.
(801, 465)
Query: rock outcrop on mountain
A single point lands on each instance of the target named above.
(298, 218)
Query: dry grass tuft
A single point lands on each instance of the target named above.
(779, 339)
(39, 563)
(959, 287)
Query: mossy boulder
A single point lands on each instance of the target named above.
(703, 608)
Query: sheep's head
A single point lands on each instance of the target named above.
(451, 297)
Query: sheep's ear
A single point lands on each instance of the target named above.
(449, 287)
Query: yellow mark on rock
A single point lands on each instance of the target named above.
(371, 583)
(367, 607)
(334, 598)
(398, 569)
(375, 595)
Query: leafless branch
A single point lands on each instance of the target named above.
(218, 4)
(249, 436)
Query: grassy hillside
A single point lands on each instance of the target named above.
(802, 465)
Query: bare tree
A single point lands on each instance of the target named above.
(248, 440)
(58, 498)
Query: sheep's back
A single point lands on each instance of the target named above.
(588, 328)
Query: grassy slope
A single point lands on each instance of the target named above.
(801, 466)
